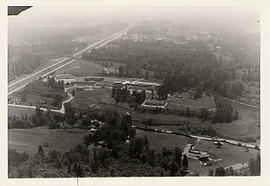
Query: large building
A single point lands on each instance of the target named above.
(149, 87)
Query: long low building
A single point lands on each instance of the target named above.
(154, 105)
(136, 85)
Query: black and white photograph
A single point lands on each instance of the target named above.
(133, 91)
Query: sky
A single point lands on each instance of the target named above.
(227, 16)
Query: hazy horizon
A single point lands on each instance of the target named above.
(244, 18)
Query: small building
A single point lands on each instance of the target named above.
(154, 105)
(110, 71)
(93, 78)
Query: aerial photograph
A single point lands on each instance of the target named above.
(151, 91)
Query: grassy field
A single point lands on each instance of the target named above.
(28, 140)
(82, 68)
(20, 111)
(183, 100)
(96, 96)
(160, 140)
(247, 125)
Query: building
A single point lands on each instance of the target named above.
(94, 78)
(110, 71)
(134, 85)
(192, 153)
(154, 105)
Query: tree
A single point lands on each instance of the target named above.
(174, 168)
(211, 173)
(185, 162)
(57, 100)
(121, 70)
(220, 171)
(40, 151)
(30, 172)
(235, 115)
(178, 156)
(255, 166)
(69, 114)
(69, 169)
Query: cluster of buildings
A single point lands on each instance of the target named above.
(80, 83)
(151, 89)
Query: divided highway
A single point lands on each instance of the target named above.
(15, 86)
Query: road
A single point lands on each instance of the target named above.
(15, 86)
(242, 103)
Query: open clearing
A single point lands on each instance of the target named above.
(20, 111)
(82, 68)
(97, 96)
(175, 102)
(247, 125)
(28, 140)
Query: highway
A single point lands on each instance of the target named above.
(15, 86)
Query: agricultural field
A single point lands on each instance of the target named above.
(28, 140)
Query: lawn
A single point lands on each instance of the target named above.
(28, 140)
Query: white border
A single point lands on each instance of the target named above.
(265, 68)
